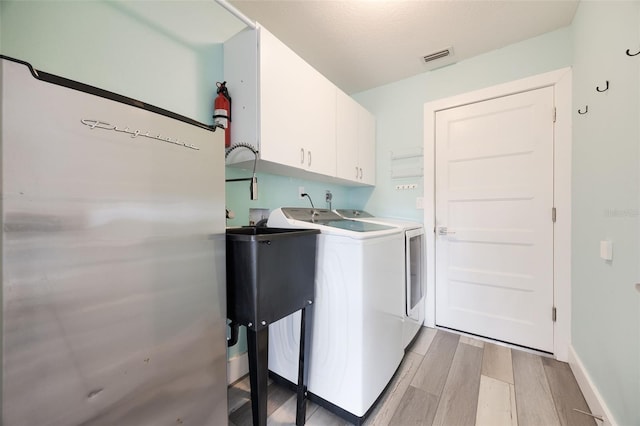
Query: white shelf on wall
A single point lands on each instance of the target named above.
(406, 153)
(407, 172)
(407, 162)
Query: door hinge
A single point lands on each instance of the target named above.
(554, 314)
(553, 214)
(555, 114)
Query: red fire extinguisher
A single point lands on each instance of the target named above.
(222, 111)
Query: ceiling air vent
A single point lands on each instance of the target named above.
(437, 55)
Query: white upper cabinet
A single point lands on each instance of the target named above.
(367, 146)
(355, 135)
(297, 110)
(347, 137)
(290, 112)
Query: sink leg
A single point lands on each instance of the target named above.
(258, 348)
(306, 322)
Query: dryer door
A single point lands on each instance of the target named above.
(415, 274)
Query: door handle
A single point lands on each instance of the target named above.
(443, 231)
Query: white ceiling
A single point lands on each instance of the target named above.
(361, 44)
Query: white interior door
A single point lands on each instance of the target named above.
(494, 228)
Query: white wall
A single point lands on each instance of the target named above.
(606, 307)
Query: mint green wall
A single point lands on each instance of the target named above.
(103, 44)
(606, 307)
(279, 191)
(399, 109)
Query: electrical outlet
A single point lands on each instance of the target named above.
(406, 186)
(300, 192)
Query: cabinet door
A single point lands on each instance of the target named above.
(367, 146)
(297, 110)
(279, 82)
(319, 122)
(347, 111)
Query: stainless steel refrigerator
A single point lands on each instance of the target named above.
(113, 271)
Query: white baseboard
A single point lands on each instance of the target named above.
(237, 367)
(594, 400)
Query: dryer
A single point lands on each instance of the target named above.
(414, 276)
(356, 342)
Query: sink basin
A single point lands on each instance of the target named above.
(270, 273)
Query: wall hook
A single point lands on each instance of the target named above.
(632, 54)
(603, 90)
(586, 110)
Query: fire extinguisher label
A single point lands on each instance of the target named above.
(221, 117)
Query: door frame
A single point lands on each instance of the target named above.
(560, 80)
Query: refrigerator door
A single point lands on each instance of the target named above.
(113, 272)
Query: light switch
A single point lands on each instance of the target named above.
(606, 250)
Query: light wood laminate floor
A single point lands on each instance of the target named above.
(450, 380)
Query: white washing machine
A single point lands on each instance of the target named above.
(414, 276)
(356, 342)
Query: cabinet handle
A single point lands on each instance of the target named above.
(301, 155)
(360, 173)
(309, 155)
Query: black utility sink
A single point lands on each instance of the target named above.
(270, 273)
